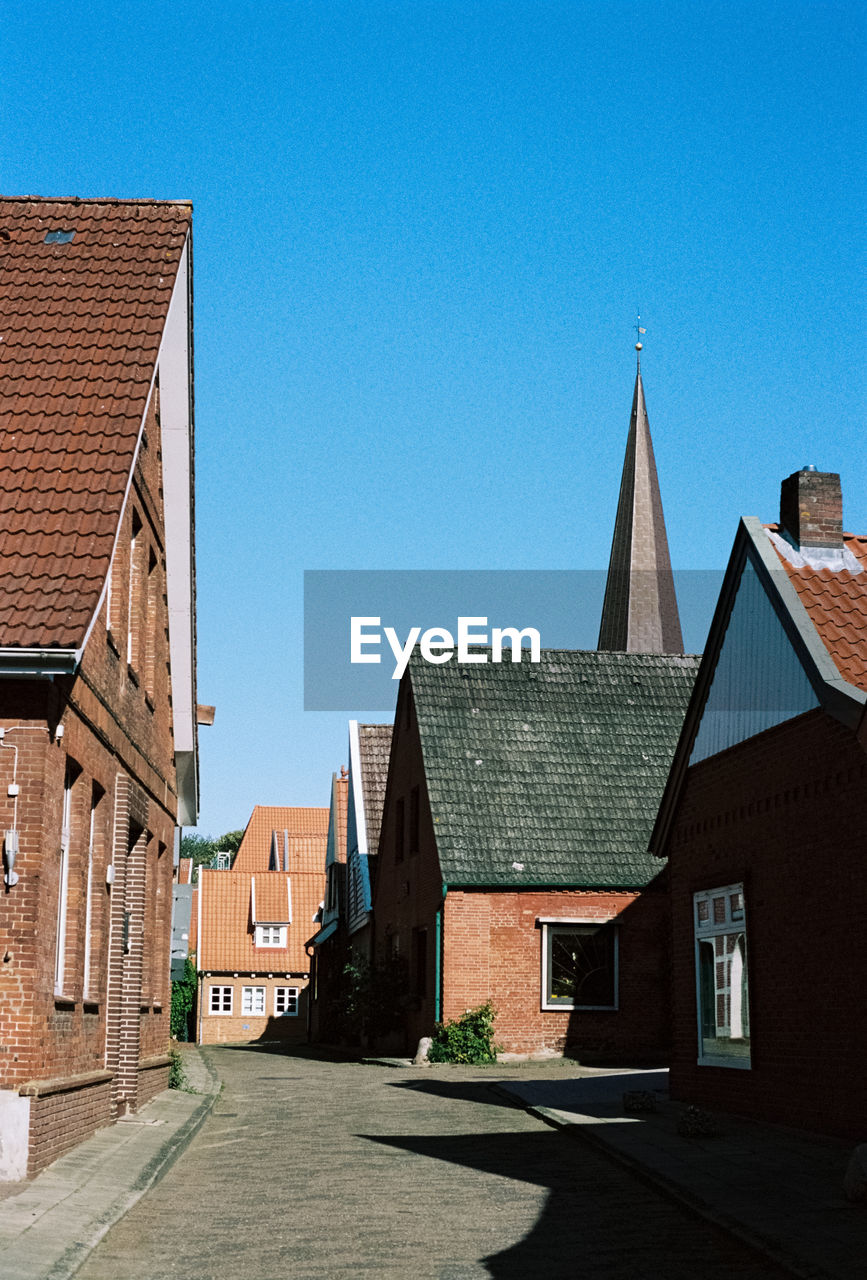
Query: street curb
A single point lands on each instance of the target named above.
(77, 1254)
(765, 1248)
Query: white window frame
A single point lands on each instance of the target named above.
(88, 910)
(221, 1012)
(704, 931)
(249, 1001)
(63, 887)
(547, 926)
(295, 997)
(261, 935)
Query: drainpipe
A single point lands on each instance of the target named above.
(201, 997)
(438, 977)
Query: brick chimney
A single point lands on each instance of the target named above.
(811, 508)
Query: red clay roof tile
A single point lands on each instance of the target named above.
(80, 328)
(307, 829)
(836, 601)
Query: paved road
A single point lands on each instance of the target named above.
(316, 1170)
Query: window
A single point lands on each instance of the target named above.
(96, 795)
(331, 899)
(133, 599)
(579, 965)
(721, 977)
(399, 824)
(72, 772)
(413, 820)
(270, 935)
(221, 1000)
(286, 1002)
(150, 645)
(252, 999)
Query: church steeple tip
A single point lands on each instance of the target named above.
(639, 614)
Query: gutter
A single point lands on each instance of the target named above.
(42, 663)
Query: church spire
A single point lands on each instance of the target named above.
(640, 610)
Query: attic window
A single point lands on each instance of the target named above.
(59, 237)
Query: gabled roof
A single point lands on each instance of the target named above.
(639, 613)
(821, 614)
(86, 292)
(303, 831)
(337, 819)
(226, 940)
(836, 602)
(270, 898)
(549, 774)
(374, 748)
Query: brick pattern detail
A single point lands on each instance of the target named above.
(238, 1028)
(811, 508)
(59, 1121)
(784, 813)
(492, 950)
(151, 1081)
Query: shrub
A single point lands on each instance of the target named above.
(183, 1001)
(468, 1039)
(177, 1077)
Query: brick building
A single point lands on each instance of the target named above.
(346, 933)
(512, 861)
(252, 924)
(763, 823)
(98, 749)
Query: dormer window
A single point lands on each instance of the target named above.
(270, 935)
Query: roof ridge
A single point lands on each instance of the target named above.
(30, 199)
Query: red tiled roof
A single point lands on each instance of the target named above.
(308, 832)
(227, 941)
(80, 330)
(270, 899)
(836, 601)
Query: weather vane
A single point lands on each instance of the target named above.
(639, 331)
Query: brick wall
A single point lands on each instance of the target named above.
(492, 950)
(239, 1028)
(492, 945)
(117, 740)
(407, 884)
(785, 814)
(60, 1119)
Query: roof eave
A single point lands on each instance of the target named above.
(39, 663)
(175, 363)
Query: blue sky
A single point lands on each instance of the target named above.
(422, 234)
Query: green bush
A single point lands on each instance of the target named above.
(468, 1039)
(177, 1077)
(183, 1002)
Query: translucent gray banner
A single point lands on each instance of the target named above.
(354, 617)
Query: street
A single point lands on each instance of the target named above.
(316, 1169)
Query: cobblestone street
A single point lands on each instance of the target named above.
(310, 1168)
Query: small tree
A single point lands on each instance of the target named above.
(202, 848)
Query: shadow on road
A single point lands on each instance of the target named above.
(458, 1090)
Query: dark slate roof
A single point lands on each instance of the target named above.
(374, 742)
(549, 773)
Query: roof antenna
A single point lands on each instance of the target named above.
(638, 346)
